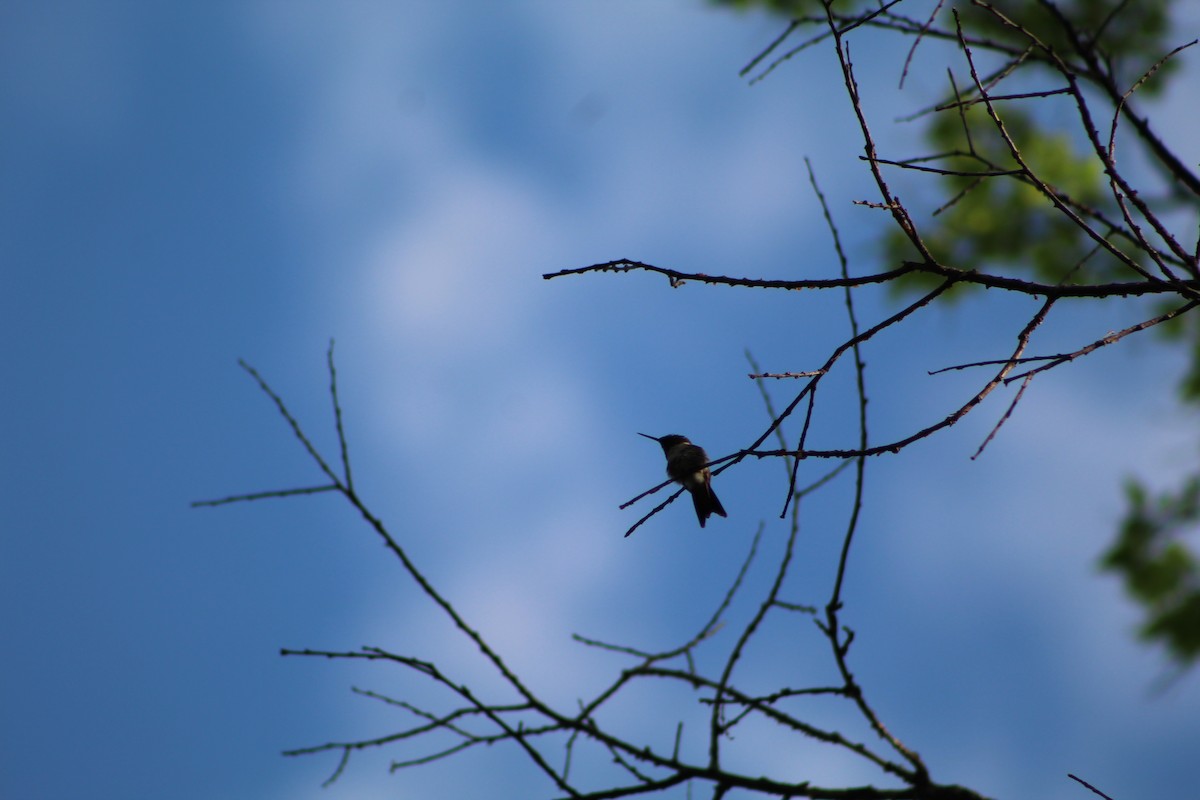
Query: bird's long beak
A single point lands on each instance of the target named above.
(648, 436)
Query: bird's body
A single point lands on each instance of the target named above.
(687, 466)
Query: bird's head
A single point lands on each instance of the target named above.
(668, 441)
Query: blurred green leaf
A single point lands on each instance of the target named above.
(1159, 569)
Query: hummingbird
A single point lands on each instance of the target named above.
(686, 466)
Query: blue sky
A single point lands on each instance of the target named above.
(185, 185)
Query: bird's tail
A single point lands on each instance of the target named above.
(706, 503)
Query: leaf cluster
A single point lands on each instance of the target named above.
(1159, 568)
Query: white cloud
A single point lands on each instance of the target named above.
(448, 276)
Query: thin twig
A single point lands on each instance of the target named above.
(1004, 417)
(931, 267)
(245, 498)
(912, 51)
(1088, 785)
(337, 418)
